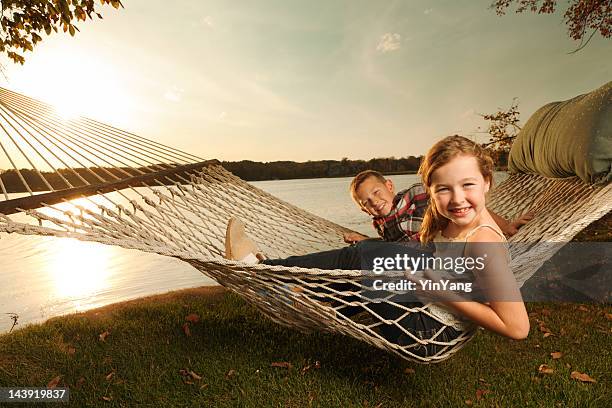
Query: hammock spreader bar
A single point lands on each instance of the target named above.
(36, 201)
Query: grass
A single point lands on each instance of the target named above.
(232, 348)
(598, 231)
(227, 360)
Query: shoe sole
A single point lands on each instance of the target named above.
(228, 245)
(236, 231)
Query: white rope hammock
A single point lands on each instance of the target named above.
(94, 182)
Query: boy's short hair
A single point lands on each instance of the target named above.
(360, 178)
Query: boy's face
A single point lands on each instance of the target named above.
(375, 197)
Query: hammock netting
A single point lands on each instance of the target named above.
(82, 179)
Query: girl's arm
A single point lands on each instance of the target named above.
(505, 312)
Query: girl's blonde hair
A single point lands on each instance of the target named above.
(440, 154)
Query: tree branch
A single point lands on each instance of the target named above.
(585, 44)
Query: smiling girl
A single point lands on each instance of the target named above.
(457, 174)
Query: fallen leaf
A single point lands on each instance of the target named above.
(194, 375)
(469, 403)
(484, 382)
(608, 316)
(583, 308)
(80, 382)
(547, 334)
(481, 393)
(71, 350)
(317, 365)
(193, 318)
(53, 383)
(282, 364)
(544, 369)
(186, 329)
(577, 375)
(188, 382)
(104, 335)
(409, 370)
(304, 369)
(568, 365)
(110, 375)
(107, 398)
(556, 355)
(544, 330)
(230, 374)
(203, 386)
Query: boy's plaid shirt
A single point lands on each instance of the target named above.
(404, 220)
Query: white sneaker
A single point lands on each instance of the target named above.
(238, 245)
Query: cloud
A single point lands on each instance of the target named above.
(207, 21)
(427, 11)
(389, 42)
(174, 94)
(470, 113)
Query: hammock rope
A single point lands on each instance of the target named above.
(82, 179)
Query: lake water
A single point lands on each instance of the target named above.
(42, 277)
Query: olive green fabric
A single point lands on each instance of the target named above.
(567, 138)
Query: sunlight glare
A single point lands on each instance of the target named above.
(79, 269)
(87, 85)
(67, 110)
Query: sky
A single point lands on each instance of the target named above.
(307, 80)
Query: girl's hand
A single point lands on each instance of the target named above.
(518, 222)
(352, 237)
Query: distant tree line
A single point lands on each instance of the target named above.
(282, 170)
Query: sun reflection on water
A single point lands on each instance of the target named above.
(79, 269)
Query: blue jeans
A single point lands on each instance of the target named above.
(360, 257)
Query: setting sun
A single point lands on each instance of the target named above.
(93, 88)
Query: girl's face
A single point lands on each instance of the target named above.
(458, 189)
